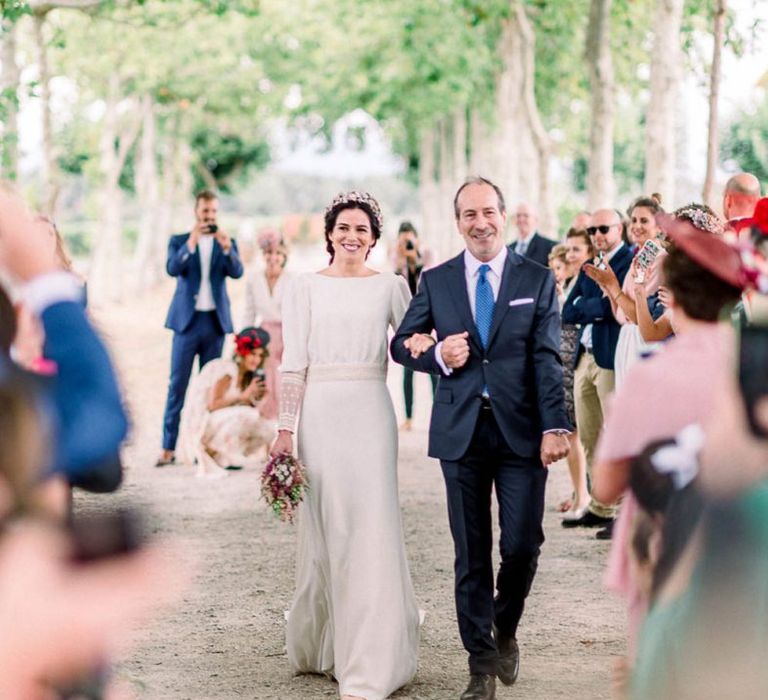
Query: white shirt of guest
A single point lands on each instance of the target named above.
(471, 273)
(205, 301)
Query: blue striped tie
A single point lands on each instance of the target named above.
(483, 305)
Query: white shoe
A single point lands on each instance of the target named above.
(575, 514)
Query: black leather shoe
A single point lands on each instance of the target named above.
(509, 660)
(605, 533)
(589, 519)
(481, 687)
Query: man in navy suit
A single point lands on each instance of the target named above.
(530, 243)
(498, 419)
(199, 316)
(594, 376)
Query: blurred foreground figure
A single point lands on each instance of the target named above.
(62, 619)
(81, 400)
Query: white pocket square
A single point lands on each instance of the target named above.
(520, 302)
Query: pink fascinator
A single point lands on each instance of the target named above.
(269, 238)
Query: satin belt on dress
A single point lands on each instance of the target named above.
(336, 373)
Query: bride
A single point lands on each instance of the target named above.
(354, 613)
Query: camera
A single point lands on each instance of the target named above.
(212, 228)
(409, 245)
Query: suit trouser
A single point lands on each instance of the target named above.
(519, 484)
(203, 338)
(592, 388)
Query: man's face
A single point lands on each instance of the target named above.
(525, 221)
(206, 211)
(480, 222)
(605, 230)
(581, 221)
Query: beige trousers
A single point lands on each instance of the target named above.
(592, 388)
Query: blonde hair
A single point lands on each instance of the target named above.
(557, 253)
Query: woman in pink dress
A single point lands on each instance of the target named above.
(263, 307)
(671, 390)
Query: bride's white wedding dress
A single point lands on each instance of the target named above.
(354, 612)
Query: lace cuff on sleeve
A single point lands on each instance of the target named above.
(291, 396)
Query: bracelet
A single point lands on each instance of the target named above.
(616, 298)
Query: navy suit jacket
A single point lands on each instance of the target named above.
(587, 304)
(521, 366)
(185, 267)
(81, 402)
(538, 249)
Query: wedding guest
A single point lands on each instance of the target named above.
(498, 421)
(645, 268)
(199, 315)
(673, 389)
(739, 199)
(83, 401)
(594, 377)
(222, 426)
(530, 243)
(60, 618)
(264, 292)
(581, 220)
(578, 250)
(409, 262)
(354, 612)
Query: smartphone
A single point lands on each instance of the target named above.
(103, 535)
(645, 257)
(260, 374)
(600, 263)
(753, 371)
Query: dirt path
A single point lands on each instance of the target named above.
(225, 639)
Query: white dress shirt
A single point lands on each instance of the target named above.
(471, 272)
(204, 301)
(521, 247)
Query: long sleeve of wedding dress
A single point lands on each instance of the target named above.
(293, 369)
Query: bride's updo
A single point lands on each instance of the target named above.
(352, 200)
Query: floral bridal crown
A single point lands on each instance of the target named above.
(356, 197)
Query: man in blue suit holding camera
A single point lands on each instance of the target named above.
(199, 316)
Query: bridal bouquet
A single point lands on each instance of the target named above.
(283, 483)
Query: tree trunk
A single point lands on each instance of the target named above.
(666, 57)
(506, 168)
(601, 187)
(459, 145)
(429, 196)
(51, 174)
(9, 94)
(147, 264)
(105, 279)
(539, 136)
(714, 96)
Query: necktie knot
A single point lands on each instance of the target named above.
(484, 270)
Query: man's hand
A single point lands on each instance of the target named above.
(418, 344)
(606, 279)
(224, 240)
(455, 350)
(283, 445)
(554, 447)
(25, 245)
(194, 235)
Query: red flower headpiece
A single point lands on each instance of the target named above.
(246, 344)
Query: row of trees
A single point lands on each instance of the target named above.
(158, 95)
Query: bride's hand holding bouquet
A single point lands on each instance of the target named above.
(283, 444)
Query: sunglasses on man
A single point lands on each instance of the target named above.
(592, 230)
